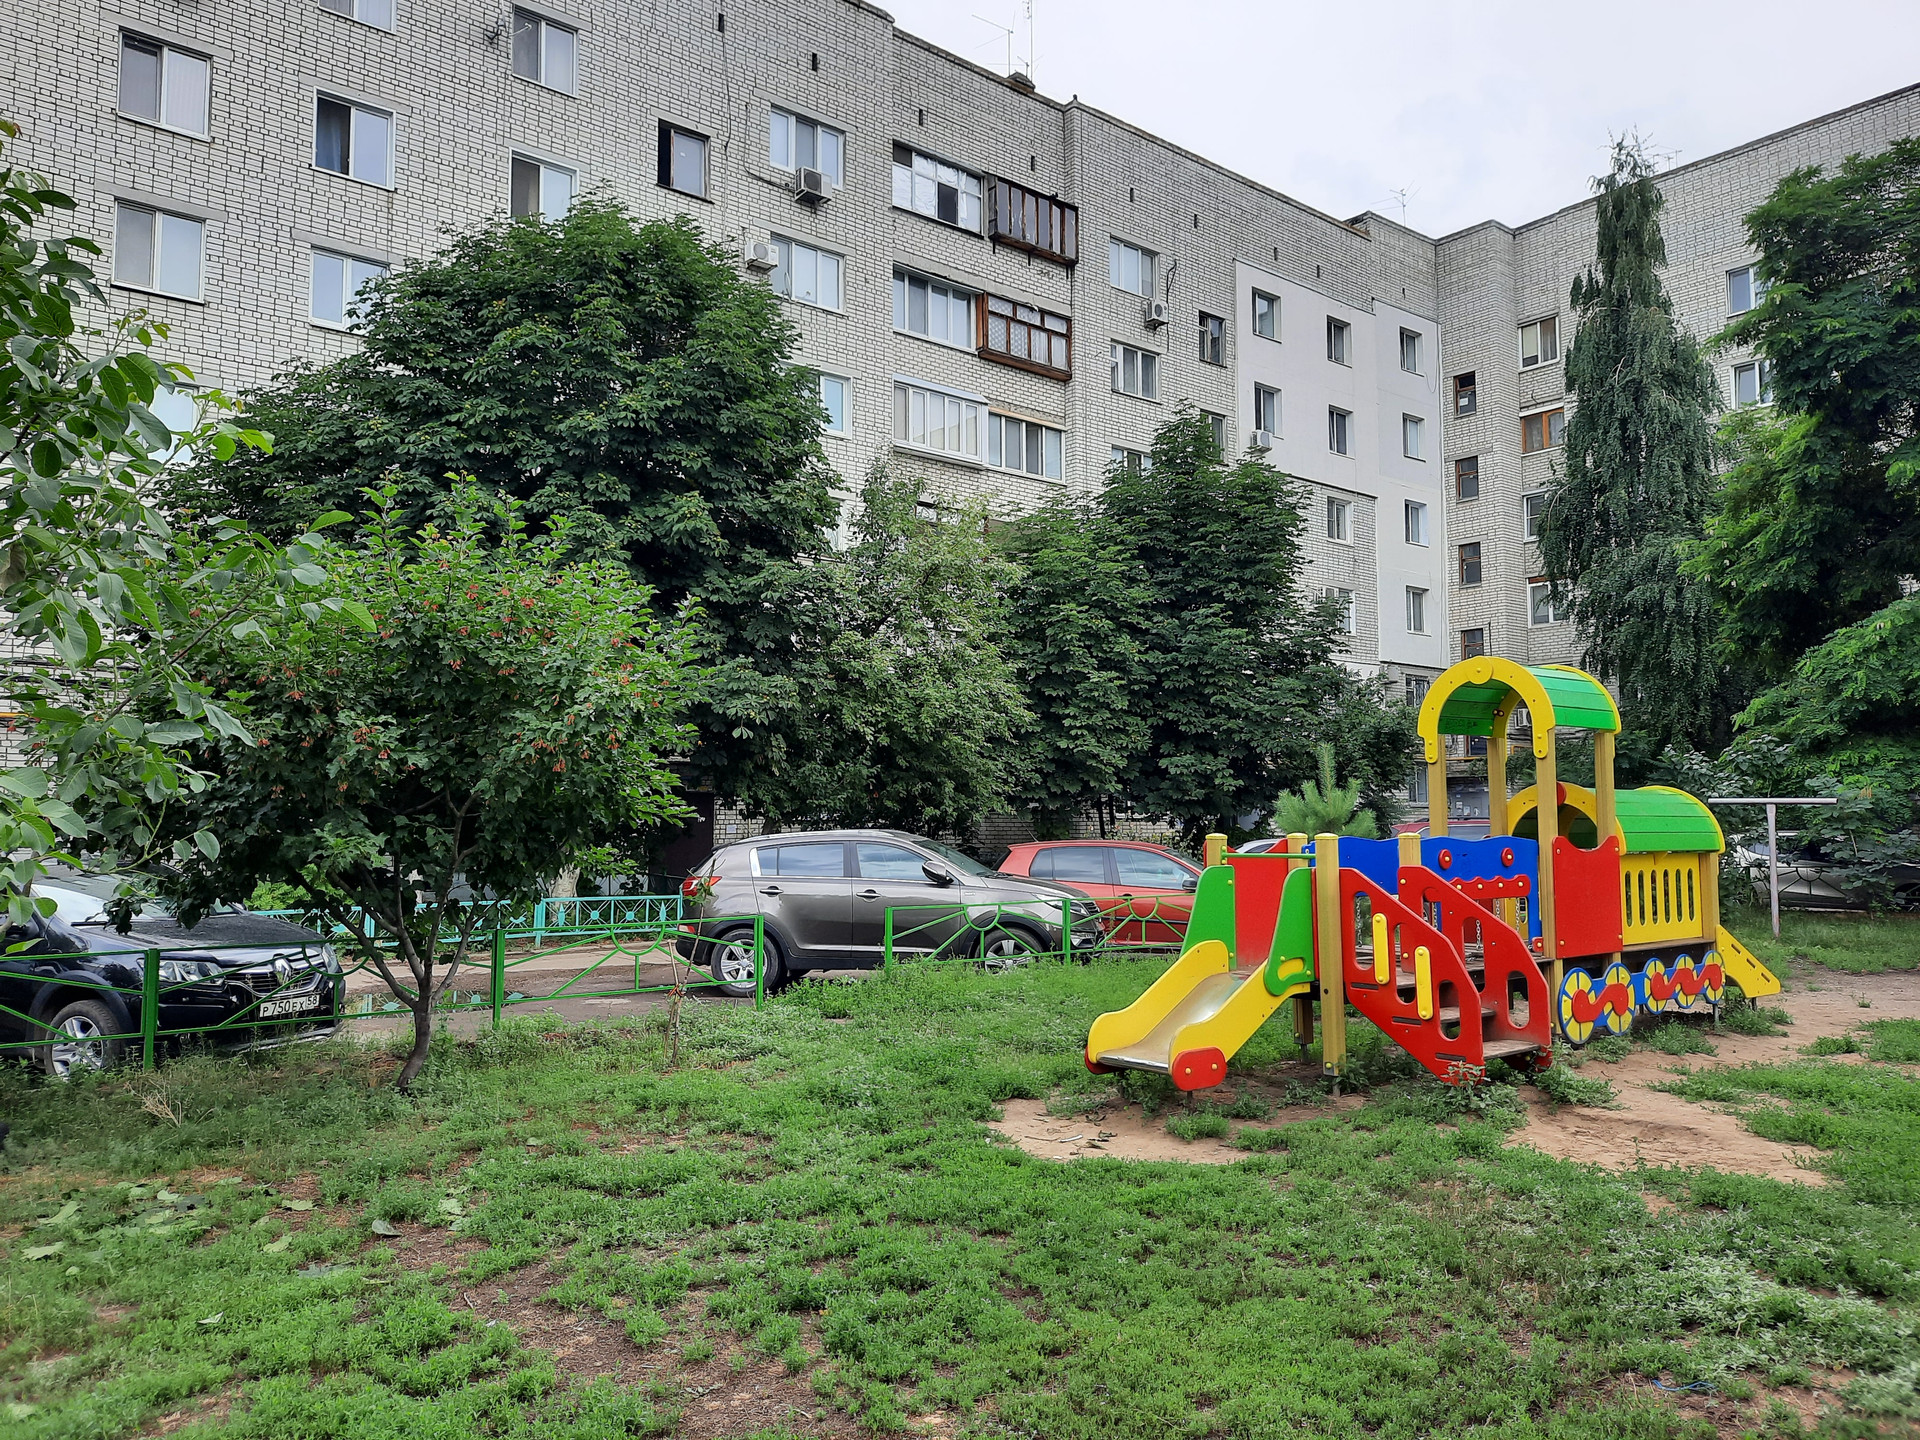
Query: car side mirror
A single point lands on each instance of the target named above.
(1193, 883)
(934, 873)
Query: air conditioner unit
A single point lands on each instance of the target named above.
(812, 185)
(762, 256)
(1156, 314)
(1261, 440)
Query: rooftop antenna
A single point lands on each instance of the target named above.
(1033, 58)
(1401, 196)
(1005, 30)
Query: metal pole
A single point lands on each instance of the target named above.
(886, 944)
(149, 1009)
(1773, 867)
(499, 973)
(759, 960)
(1066, 930)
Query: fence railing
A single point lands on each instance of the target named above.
(995, 936)
(100, 1007)
(552, 916)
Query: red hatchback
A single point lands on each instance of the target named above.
(1145, 891)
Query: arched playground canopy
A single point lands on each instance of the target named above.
(1651, 819)
(1477, 695)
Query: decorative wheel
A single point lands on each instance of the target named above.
(1616, 998)
(1579, 1006)
(1652, 988)
(1686, 984)
(1713, 978)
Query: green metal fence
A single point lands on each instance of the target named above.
(265, 1003)
(995, 936)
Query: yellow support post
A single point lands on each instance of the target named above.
(1326, 945)
(1214, 849)
(1409, 850)
(1296, 849)
(1437, 793)
(1499, 822)
(1603, 806)
(1547, 787)
(1710, 896)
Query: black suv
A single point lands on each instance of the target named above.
(823, 897)
(264, 980)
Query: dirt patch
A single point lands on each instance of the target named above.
(1732, 1419)
(1652, 1127)
(1125, 1132)
(210, 1410)
(421, 1247)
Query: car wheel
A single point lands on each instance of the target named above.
(1005, 948)
(732, 964)
(83, 1035)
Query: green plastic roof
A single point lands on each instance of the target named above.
(1578, 700)
(1657, 817)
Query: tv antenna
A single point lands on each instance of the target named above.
(1007, 33)
(1401, 196)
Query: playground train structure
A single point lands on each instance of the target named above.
(1565, 922)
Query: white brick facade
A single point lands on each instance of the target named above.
(460, 116)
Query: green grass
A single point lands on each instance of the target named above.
(815, 1183)
(1855, 944)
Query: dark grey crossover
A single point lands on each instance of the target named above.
(824, 897)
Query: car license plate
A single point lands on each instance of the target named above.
(292, 1006)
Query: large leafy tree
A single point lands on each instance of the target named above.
(1217, 677)
(622, 377)
(510, 710)
(1637, 476)
(896, 705)
(1820, 525)
(104, 604)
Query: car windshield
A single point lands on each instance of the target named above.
(81, 899)
(965, 864)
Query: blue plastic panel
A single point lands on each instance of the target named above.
(1498, 857)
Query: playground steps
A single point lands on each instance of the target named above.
(1506, 1049)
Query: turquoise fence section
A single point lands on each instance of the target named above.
(542, 919)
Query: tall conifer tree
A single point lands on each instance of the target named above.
(1637, 476)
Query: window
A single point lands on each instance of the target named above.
(1084, 863)
(367, 12)
(1745, 290)
(1417, 783)
(1542, 606)
(1266, 316)
(337, 280)
(1752, 385)
(1130, 268)
(890, 862)
(1338, 333)
(539, 189)
(544, 52)
(1466, 478)
(1470, 571)
(1134, 462)
(797, 144)
(167, 86)
(806, 275)
(1539, 342)
(1030, 221)
(157, 251)
(1149, 870)
(1416, 515)
(683, 161)
(935, 189)
(1024, 445)
(1416, 611)
(1472, 643)
(1413, 436)
(1027, 336)
(1136, 372)
(1212, 338)
(1545, 431)
(1465, 397)
(929, 419)
(1266, 409)
(1218, 424)
(1339, 431)
(1417, 687)
(1339, 519)
(1410, 351)
(1533, 509)
(1345, 620)
(816, 861)
(834, 394)
(932, 308)
(353, 140)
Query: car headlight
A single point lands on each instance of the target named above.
(179, 972)
(1084, 909)
(329, 961)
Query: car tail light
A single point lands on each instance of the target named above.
(696, 887)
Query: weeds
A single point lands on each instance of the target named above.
(1560, 1085)
(1671, 1035)
(1200, 1125)
(1754, 1019)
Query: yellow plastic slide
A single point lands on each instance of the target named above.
(1199, 1013)
(1743, 967)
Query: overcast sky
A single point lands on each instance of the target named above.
(1491, 110)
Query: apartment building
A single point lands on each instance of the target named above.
(1004, 293)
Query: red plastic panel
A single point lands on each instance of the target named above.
(1425, 1040)
(1586, 898)
(1506, 959)
(1257, 882)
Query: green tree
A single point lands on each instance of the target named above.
(104, 604)
(1820, 525)
(1324, 808)
(622, 377)
(1636, 478)
(510, 711)
(898, 707)
(1074, 625)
